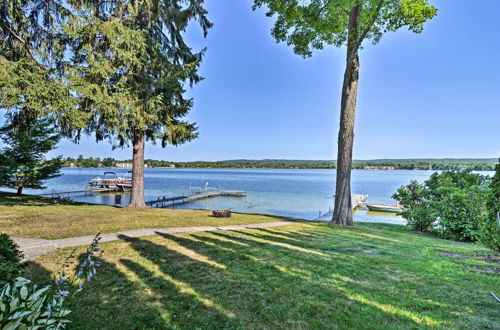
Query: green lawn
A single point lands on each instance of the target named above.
(33, 216)
(300, 276)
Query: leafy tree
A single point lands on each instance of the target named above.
(22, 163)
(69, 161)
(79, 161)
(90, 162)
(490, 227)
(309, 25)
(129, 67)
(450, 204)
(108, 162)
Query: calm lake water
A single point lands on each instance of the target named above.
(288, 192)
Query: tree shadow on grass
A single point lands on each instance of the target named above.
(112, 301)
(231, 279)
(188, 307)
(270, 236)
(185, 307)
(36, 272)
(259, 291)
(109, 301)
(11, 199)
(283, 234)
(370, 244)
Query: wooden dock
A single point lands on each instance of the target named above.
(356, 200)
(86, 191)
(177, 200)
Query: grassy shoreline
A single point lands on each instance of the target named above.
(38, 217)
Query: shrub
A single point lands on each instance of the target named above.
(416, 210)
(450, 204)
(24, 305)
(490, 227)
(10, 260)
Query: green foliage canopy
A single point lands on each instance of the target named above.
(108, 162)
(311, 24)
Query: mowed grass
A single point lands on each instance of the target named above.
(300, 276)
(38, 217)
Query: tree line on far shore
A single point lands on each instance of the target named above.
(481, 164)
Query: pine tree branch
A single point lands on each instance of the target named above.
(19, 38)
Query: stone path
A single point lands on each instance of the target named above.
(35, 247)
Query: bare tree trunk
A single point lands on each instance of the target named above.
(137, 194)
(19, 190)
(342, 213)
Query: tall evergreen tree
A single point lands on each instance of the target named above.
(32, 52)
(312, 24)
(22, 160)
(130, 65)
(28, 30)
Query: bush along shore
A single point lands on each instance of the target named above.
(458, 205)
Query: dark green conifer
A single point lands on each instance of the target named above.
(22, 160)
(130, 67)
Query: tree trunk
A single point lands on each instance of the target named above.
(342, 212)
(19, 190)
(137, 194)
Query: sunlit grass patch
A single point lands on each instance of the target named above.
(269, 279)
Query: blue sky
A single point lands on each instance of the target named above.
(435, 94)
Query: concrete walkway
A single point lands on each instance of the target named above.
(35, 247)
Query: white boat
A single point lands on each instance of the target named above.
(110, 182)
(384, 207)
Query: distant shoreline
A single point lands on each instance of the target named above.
(433, 164)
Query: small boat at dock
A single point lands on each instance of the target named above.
(384, 207)
(110, 181)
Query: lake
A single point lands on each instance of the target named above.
(299, 193)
